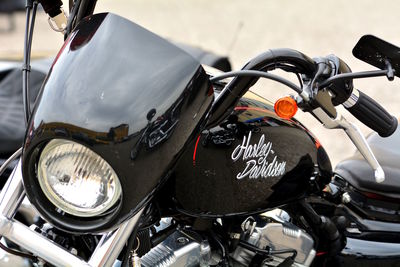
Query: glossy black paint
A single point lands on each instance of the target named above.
(375, 203)
(342, 89)
(378, 53)
(210, 179)
(360, 253)
(127, 94)
(266, 61)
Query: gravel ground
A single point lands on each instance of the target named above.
(243, 29)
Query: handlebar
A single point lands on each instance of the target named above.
(270, 60)
(329, 73)
(359, 104)
(371, 113)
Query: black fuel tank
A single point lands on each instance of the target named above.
(253, 161)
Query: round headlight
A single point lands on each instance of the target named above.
(77, 180)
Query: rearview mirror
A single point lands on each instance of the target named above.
(377, 52)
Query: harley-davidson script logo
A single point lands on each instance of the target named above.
(256, 158)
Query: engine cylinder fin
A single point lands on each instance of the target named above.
(159, 256)
(296, 233)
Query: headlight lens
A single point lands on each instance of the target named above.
(77, 180)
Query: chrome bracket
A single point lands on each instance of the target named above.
(355, 136)
(59, 22)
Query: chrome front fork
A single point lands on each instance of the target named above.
(105, 254)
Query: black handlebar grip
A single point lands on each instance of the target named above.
(51, 7)
(372, 114)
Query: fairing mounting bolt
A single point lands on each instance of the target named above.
(346, 198)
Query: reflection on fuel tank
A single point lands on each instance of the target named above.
(222, 135)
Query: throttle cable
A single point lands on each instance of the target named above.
(256, 73)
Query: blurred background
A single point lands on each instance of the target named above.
(243, 29)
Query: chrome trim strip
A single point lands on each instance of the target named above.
(13, 157)
(352, 100)
(111, 244)
(38, 245)
(12, 194)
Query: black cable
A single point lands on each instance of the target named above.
(72, 17)
(256, 74)
(216, 239)
(286, 67)
(299, 79)
(284, 251)
(32, 26)
(70, 4)
(292, 69)
(86, 9)
(26, 68)
(225, 258)
(17, 253)
(253, 248)
(131, 242)
(353, 75)
(267, 252)
(316, 76)
(82, 10)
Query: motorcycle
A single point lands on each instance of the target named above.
(137, 154)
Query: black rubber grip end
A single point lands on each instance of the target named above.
(51, 7)
(373, 115)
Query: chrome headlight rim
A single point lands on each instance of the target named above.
(85, 158)
(51, 213)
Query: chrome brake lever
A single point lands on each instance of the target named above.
(356, 137)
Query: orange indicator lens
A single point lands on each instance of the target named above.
(285, 107)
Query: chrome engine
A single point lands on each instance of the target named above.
(178, 249)
(184, 247)
(273, 229)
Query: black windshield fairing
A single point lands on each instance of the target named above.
(127, 94)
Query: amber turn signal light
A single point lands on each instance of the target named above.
(285, 107)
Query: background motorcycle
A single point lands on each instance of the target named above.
(327, 225)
